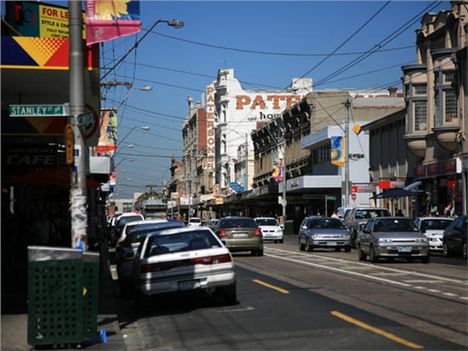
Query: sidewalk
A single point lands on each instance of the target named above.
(14, 320)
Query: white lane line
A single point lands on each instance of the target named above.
(449, 294)
(423, 281)
(340, 270)
(464, 297)
(419, 287)
(389, 274)
(452, 280)
(246, 309)
(433, 290)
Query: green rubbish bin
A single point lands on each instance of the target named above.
(289, 227)
(63, 291)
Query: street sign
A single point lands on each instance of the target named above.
(331, 197)
(69, 144)
(39, 110)
(85, 119)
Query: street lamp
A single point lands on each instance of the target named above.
(144, 88)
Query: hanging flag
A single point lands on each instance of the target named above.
(337, 151)
(278, 170)
(111, 19)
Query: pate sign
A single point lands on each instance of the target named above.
(209, 162)
(269, 106)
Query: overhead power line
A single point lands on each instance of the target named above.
(270, 53)
(149, 111)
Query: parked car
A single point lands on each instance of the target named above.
(270, 228)
(130, 225)
(323, 232)
(240, 234)
(360, 215)
(392, 237)
(342, 211)
(184, 259)
(454, 238)
(120, 222)
(194, 222)
(212, 223)
(433, 228)
(126, 249)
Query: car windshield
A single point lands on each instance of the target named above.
(180, 242)
(238, 223)
(370, 213)
(266, 221)
(326, 223)
(436, 224)
(194, 220)
(395, 225)
(137, 233)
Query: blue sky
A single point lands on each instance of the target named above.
(306, 27)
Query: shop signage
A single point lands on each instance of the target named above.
(39, 110)
(209, 162)
(363, 188)
(69, 144)
(219, 201)
(388, 184)
(30, 155)
(270, 106)
(236, 187)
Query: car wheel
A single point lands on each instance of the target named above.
(125, 290)
(276, 241)
(300, 245)
(425, 259)
(361, 255)
(372, 256)
(281, 241)
(308, 247)
(259, 252)
(228, 293)
(347, 248)
(464, 251)
(446, 250)
(337, 249)
(353, 239)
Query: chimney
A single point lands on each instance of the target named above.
(190, 104)
(392, 91)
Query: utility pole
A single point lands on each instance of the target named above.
(284, 201)
(346, 151)
(78, 189)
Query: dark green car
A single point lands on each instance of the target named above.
(240, 234)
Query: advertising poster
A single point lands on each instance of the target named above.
(107, 143)
(337, 151)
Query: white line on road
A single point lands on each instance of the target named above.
(246, 309)
(424, 281)
(388, 274)
(456, 281)
(449, 294)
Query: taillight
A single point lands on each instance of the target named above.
(258, 232)
(212, 259)
(222, 232)
(148, 268)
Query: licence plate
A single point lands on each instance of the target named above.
(331, 243)
(189, 284)
(404, 249)
(240, 235)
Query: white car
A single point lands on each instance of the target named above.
(433, 228)
(184, 259)
(194, 222)
(270, 228)
(130, 225)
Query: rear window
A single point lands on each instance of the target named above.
(370, 213)
(186, 241)
(266, 221)
(325, 223)
(138, 233)
(194, 220)
(238, 223)
(127, 219)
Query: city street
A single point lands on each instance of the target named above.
(312, 300)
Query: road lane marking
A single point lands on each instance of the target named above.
(340, 270)
(283, 291)
(434, 290)
(375, 330)
(464, 297)
(389, 273)
(246, 309)
(423, 281)
(449, 294)
(377, 267)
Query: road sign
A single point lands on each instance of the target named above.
(331, 197)
(39, 110)
(353, 196)
(85, 119)
(69, 144)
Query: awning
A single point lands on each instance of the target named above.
(397, 192)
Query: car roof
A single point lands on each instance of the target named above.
(236, 217)
(370, 208)
(392, 217)
(432, 218)
(147, 221)
(265, 218)
(181, 230)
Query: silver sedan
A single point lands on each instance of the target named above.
(392, 237)
(323, 232)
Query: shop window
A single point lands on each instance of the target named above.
(420, 116)
(449, 77)
(450, 105)
(437, 112)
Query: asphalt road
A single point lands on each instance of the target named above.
(291, 300)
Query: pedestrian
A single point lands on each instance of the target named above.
(334, 215)
(448, 210)
(400, 213)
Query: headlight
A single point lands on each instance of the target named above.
(316, 236)
(279, 230)
(422, 240)
(345, 236)
(385, 241)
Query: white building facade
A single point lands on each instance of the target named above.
(240, 111)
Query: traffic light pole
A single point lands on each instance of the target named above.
(78, 189)
(346, 151)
